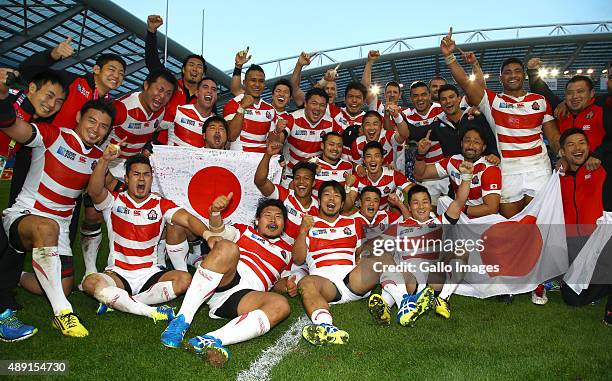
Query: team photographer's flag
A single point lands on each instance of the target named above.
(513, 256)
(194, 177)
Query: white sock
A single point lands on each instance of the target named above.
(243, 328)
(48, 269)
(202, 286)
(90, 245)
(394, 284)
(420, 287)
(452, 280)
(118, 299)
(178, 254)
(321, 316)
(161, 252)
(387, 297)
(160, 292)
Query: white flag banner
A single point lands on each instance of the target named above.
(518, 253)
(581, 271)
(194, 177)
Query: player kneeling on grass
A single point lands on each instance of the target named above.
(417, 302)
(331, 246)
(234, 279)
(135, 219)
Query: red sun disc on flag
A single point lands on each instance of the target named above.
(209, 183)
(515, 246)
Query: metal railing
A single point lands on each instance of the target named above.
(285, 65)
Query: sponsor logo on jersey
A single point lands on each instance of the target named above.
(586, 127)
(82, 159)
(188, 121)
(535, 106)
(122, 209)
(152, 215)
(587, 176)
(135, 126)
(520, 105)
(137, 213)
(65, 152)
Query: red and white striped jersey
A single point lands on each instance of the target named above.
(420, 240)
(342, 118)
(134, 228)
(186, 127)
(266, 258)
(295, 211)
(332, 245)
(133, 123)
(518, 126)
(59, 172)
(487, 177)
(304, 138)
(391, 181)
(387, 139)
(259, 119)
(328, 172)
(379, 224)
(285, 115)
(413, 117)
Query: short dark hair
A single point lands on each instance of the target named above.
(356, 86)
(448, 87)
(317, 91)
(266, 202)
(207, 79)
(312, 167)
(417, 188)
(331, 133)
(102, 105)
(370, 188)
(254, 68)
(196, 56)
(284, 82)
(375, 145)
(334, 184)
(215, 118)
(417, 84)
(578, 78)
(49, 76)
(478, 129)
(438, 77)
(509, 61)
(372, 113)
(393, 83)
(136, 159)
(161, 73)
(569, 132)
(105, 58)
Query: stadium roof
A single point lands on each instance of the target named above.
(95, 26)
(564, 47)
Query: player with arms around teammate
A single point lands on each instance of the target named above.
(234, 280)
(62, 162)
(135, 219)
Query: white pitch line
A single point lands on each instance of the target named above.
(260, 368)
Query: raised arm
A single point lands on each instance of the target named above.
(300, 246)
(265, 186)
(17, 129)
(299, 98)
(470, 59)
(366, 78)
(242, 57)
(44, 60)
(152, 60)
(537, 85)
(235, 125)
(422, 170)
(467, 172)
(473, 90)
(96, 189)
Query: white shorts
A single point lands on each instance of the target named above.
(117, 168)
(10, 215)
(338, 278)
(136, 279)
(248, 281)
(516, 186)
(436, 188)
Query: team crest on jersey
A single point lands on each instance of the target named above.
(535, 106)
(475, 180)
(268, 115)
(387, 189)
(152, 215)
(285, 255)
(347, 231)
(589, 115)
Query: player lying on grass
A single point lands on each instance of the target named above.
(419, 300)
(234, 279)
(331, 246)
(135, 219)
